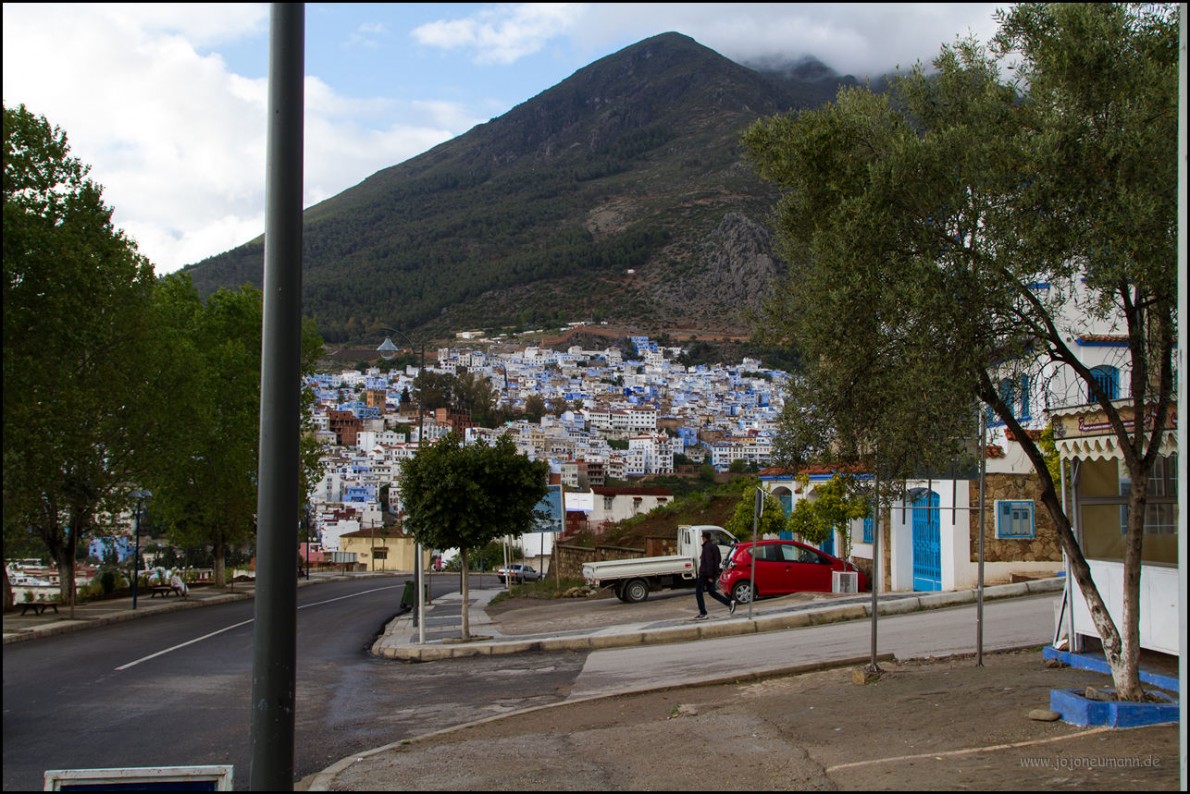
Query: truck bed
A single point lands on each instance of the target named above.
(611, 570)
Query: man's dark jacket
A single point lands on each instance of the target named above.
(709, 563)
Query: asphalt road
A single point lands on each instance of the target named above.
(175, 689)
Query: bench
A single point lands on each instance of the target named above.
(38, 607)
(164, 590)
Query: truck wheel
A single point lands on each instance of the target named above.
(635, 591)
(742, 592)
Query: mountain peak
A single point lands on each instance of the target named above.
(620, 193)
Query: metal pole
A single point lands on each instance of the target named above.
(757, 511)
(387, 350)
(275, 641)
(983, 466)
(419, 614)
(136, 558)
(873, 667)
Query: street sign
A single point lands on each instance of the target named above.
(148, 778)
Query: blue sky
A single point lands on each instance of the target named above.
(166, 102)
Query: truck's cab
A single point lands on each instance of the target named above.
(690, 539)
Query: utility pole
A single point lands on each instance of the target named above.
(274, 660)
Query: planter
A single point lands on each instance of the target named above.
(1076, 709)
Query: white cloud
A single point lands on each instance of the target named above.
(503, 34)
(854, 38)
(175, 138)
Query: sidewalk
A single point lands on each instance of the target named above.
(936, 724)
(402, 640)
(19, 628)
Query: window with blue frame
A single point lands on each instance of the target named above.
(1108, 380)
(1015, 394)
(1014, 519)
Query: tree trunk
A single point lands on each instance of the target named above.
(65, 560)
(1126, 673)
(220, 567)
(464, 586)
(1080, 571)
(1126, 676)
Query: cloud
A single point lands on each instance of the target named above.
(856, 38)
(175, 137)
(503, 34)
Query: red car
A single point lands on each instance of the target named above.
(782, 566)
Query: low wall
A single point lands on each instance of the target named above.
(572, 558)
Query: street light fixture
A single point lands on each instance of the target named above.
(387, 349)
(140, 495)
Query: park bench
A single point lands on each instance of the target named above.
(38, 607)
(164, 590)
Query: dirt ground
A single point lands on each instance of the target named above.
(936, 725)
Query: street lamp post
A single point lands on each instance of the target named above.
(306, 534)
(388, 350)
(140, 495)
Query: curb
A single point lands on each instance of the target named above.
(487, 646)
(113, 615)
(67, 625)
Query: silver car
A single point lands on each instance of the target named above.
(518, 573)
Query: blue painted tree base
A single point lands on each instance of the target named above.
(1078, 710)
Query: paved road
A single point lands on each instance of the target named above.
(174, 688)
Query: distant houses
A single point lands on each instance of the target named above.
(628, 418)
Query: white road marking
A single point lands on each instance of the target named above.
(245, 623)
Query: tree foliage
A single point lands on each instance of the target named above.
(835, 504)
(203, 470)
(463, 496)
(918, 224)
(771, 520)
(467, 392)
(76, 300)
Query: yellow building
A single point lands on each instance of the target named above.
(383, 549)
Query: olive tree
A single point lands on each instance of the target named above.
(918, 223)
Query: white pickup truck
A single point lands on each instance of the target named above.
(633, 580)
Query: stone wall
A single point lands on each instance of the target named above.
(1043, 547)
(572, 558)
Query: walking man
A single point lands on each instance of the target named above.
(709, 565)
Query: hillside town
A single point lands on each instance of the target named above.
(625, 418)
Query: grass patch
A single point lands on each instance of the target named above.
(546, 588)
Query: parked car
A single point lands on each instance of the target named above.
(782, 567)
(519, 573)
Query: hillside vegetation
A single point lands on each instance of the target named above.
(619, 194)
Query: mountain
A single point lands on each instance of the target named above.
(620, 194)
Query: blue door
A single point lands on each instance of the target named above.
(927, 543)
(828, 545)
